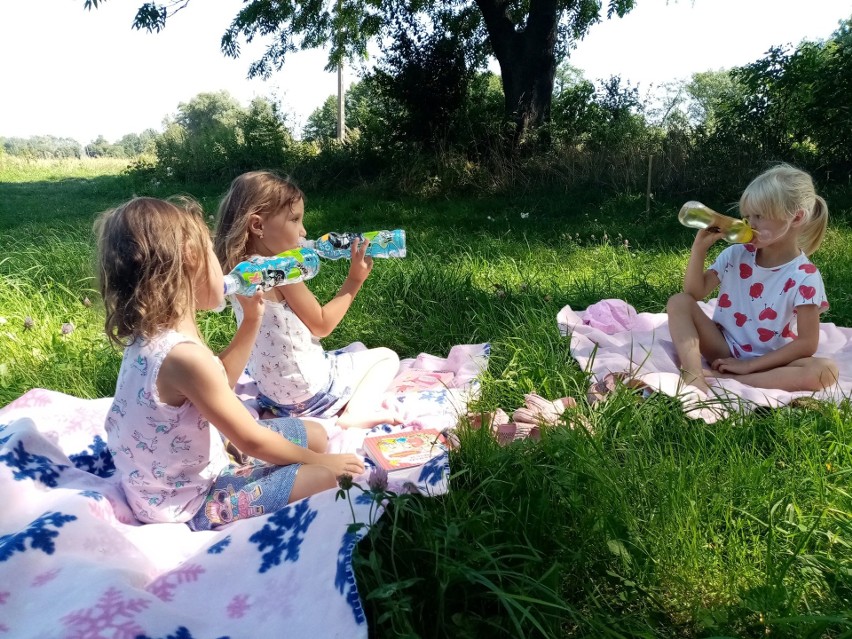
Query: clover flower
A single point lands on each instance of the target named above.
(378, 480)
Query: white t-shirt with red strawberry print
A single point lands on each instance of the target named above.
(756, 310)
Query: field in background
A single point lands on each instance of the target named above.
(652, 526)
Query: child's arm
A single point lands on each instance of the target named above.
(188, 373)
(696, 281)
(804, 346)
(322, 320)
(236, 354)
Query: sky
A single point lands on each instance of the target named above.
(68, 72)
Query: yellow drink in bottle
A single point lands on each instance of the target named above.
(696, 215)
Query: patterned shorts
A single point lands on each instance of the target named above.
(326, 403)
(253, 489)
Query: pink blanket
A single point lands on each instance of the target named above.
(611, 338)
(74, 563)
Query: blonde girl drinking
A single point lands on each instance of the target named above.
(765, 329)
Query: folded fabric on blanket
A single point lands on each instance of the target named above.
(644, 354)
(75, 563)
(421, 402)
(438, 404)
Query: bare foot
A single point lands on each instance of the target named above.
(698, 381)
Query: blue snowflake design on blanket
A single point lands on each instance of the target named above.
(180, 633)
(25, 465)
(98, 462)
(344, 580)
(438, 397)
(284, 533)
(39, 533)
(219, 547)
(433, 470)
(364, 499)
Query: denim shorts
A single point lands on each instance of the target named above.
(252, 489)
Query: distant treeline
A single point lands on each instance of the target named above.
(43, 147)
(413, 130)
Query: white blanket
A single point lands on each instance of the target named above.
(75, 563)
(637, 346)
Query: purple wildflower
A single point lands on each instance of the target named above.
(378, 480)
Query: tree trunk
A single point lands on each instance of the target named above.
(527, 60)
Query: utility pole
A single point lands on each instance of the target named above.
(341, 116)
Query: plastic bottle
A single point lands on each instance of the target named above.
(696, 215)
(288, 267)
(334, 246)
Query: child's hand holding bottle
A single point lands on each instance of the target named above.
(361, 264)
(252, 305)
(707, 237)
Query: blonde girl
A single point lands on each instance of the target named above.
(174, 398)
(765, 329)
(263, 214)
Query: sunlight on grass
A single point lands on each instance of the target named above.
(20, 170)
(647, 525)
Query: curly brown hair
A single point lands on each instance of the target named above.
(149, 252)
(262, 193)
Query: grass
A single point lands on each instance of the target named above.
(653, 526)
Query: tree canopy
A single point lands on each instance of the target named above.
(528, 37)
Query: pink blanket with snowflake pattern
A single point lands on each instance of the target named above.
(75, 563)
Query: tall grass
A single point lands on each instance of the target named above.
(646, 524)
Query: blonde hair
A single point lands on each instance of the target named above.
(149, 252)
(780, 193)
(261, 193)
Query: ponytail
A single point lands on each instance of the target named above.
(779, 194)
(813, 230)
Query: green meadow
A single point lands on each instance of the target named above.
(646, 524)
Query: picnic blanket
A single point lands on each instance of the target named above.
(74, 563)
(612, 341)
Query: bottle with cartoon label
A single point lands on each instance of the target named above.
(288, 267)
(335, 246)
(696, 215)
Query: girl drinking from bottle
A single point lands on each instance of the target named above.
(174, 399)
(262, 214)
(765, 329)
